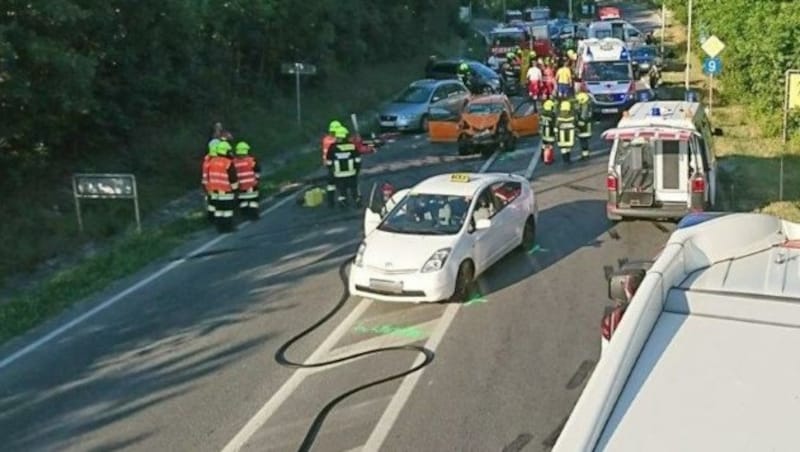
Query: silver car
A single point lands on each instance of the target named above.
(409, 110)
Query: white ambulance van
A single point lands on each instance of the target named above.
(662, 163)
(605, 71)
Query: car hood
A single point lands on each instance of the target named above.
(480, 122)
(402, 251)
(609, 87)
(399, 109)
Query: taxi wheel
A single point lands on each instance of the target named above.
(464, 283)
(528, 235)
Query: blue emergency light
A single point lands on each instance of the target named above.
(623, 55)
(655, 111)
(691, 96)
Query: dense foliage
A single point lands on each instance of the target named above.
(80, 76)
(762, 41)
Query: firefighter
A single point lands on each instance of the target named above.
(547, 126)
(344, 164)
(222, 185)
(584, 122)
(248, 173)
(566, 129)
(216, 136)
(204, 179)
(330, 138)
(464, 74)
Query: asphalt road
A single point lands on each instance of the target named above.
(186, 361)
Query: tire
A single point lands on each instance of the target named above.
(464, 283)
(528, 235)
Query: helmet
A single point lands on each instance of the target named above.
(463, 67)
(582, 98)
(565, 106)
(510, 55)
(333, 126)
(340, 132)
(242, 148)
(519, 51)
(223, 148)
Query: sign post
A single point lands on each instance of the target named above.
(298, 69)
(791, 100)
(105, 186)
(711, 67)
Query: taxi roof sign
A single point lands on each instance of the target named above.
(460, 178)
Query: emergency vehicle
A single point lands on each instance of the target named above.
(608, 13)
(662, 162)
(506, 39)
(605, 70)
(616, 28)
(706, 356)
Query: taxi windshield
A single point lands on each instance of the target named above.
(485, 109)
(425, 214)
(608, 71)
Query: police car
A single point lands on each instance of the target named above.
(432, 241)
(605, 71)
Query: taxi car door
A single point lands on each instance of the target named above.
(524, 121)
(487, 244)
(510, 216)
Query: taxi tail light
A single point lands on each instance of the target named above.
(612, 182)
(698, 184)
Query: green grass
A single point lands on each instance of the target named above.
(45, 223)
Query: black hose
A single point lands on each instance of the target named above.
(280, 357)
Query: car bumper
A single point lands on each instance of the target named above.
(480, 140)
(612, 107)
(668, 211)
(405, 288)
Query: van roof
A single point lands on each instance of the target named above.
(605, 49)
(669, 113)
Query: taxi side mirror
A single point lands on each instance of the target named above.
(622, 285)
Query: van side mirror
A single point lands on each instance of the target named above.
(717, 132)
(623, 284)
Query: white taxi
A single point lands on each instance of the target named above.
(430, 242)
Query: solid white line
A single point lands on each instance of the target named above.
(119, 296)
(277, 399)
(534, 161)
(489, 162)
(384, 426)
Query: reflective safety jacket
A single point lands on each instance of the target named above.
(221, 175)
(247, 172)
(343, 160)
(327, 141)
(204, 178)
(566, 116)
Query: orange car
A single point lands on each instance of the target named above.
(485, 123)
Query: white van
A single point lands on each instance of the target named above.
(662, 162)
(605, 71)
(615, 28)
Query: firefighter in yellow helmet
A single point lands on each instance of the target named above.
(584, 122)
(547, 122)
(566, 128)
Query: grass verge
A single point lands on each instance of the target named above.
(124, 252)
(751, 161)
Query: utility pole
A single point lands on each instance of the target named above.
(688, 45)
(663, 24)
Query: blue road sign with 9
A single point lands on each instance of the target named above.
(712, 66)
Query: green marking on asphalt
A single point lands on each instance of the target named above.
(537, 249)
(475, 299)
(410, 332)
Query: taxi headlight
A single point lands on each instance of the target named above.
(436, 261)
(359, 261)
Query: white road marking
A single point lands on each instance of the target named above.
(285, 391)
(534, 161)
(121, 295)
(389, 417)
(489, 162)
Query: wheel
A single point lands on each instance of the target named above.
(528, 235)
(464, 283)
(423, 123)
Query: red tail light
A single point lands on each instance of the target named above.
(632, 88)
(605, 327)
(611, 182)
(698, 185)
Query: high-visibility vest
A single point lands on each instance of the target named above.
(246, 172)
(584, 120)
(204, 179)
(327, 141)
(218, 180)
(566, 117)
(345, 160)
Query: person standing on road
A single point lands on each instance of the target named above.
(584, 122)
(330, 138)
(222, 185)
(535, 80)
(566, 129)
(212, 152)
(547, 123)
(344, 164)
(564, 80)
(216, 137)
(248, 174)
(549, 75)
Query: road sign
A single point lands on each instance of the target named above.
(713, 46)
(712, 66)
(105, 186)
(794, 90)
(298, 68)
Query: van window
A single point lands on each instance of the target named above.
(671, 161)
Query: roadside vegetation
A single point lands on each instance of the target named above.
(103, 89)
(761, 41)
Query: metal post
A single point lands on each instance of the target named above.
(571, 16)
(297, 89)
(785, 137)
(663, 24)
(136, 207)
(688, 44)
(710, 93)
(77, 203)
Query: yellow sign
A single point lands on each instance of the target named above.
(459, 177)
(794, 90)
(712, 46)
